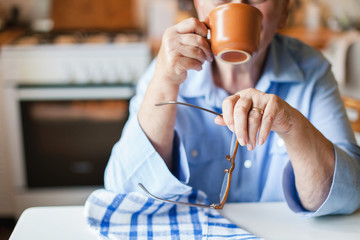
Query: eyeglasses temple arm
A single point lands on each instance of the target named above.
(188, 104)
(174, 202)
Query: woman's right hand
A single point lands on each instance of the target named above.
(184, 46)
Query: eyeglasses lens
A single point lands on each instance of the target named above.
(224, 186)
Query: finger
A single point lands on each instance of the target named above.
(219, 121)
(267, 122)
(241, 111)
(185, 63)
(228, 110)
(193, 52)
(192, 25)
(197, 41)
(254, 120)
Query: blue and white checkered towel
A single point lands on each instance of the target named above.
(135, 216)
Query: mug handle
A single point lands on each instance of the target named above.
(206, 22)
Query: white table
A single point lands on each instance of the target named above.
(267, 220)
(55, 223)
(276, 221)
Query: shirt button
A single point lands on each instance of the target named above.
(194, 153)
(280, 142)
(247, 163)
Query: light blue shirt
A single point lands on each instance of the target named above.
(293, 71)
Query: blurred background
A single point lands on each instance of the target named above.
(69, 67)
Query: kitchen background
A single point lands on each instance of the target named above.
(69, 67)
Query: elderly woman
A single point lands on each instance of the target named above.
(299, 148)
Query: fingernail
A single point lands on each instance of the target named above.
(261, 141)
(249, 147)
(231, 127)
(242, 142)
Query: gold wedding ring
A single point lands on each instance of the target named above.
(260, 110)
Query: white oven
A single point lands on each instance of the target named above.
(65, 107)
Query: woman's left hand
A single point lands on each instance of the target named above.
(252, 114)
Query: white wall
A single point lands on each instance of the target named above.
(333, 13)
(29, 9)
(338, 8)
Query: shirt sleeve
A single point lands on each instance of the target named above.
(329, 117)
(134, 160)
(344, 195)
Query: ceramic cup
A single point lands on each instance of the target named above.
(234, 32)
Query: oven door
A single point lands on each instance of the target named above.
(68, 132)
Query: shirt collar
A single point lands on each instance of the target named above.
(280, 66)
(198, 83)
(201, 84)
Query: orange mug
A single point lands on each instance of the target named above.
(234, 32)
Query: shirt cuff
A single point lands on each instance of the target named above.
(180, 160)
(344, 194)
(134, 160)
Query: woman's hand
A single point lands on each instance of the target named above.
(311, 154)
(184, 47)
(252, 114)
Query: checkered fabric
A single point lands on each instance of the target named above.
(135, 216)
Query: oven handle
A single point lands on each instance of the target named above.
(75, 93)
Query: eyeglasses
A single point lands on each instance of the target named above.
(251, 2)
(228, 172)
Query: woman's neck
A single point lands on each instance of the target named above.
(233, 78)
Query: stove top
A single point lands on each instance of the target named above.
(77, 37)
